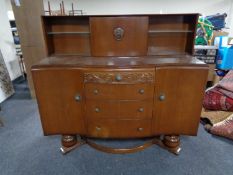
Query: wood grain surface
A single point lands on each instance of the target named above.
(55, 91)
(133, 42)
(183, 88)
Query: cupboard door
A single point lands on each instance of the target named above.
(58, 91)
(119, 36)
(178, 99)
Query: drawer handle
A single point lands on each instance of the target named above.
(141, 109)
(97, 109)
(98, 128)
(162, 97)
(78, 97)
(96, 91)
(118, 77)
(141, 91)
(140, 129)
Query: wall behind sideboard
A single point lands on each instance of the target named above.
(206, 7)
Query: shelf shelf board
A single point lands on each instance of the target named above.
(169, 31)
(68, 33)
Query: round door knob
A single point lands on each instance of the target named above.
(141, 91)
(140, 109)
(162, 97)
(77, 97)
(118, 77)
(140, 129)
(96, 91)
(97, 109)
(98, 128)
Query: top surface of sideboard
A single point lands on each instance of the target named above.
(119, 62)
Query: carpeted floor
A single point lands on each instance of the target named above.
(25, 151)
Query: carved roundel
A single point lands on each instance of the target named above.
(118, 33)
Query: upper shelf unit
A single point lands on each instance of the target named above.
(170, 34)
(66, 35)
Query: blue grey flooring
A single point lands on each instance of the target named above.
(25, 151)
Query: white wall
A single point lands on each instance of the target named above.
(205, 7)
(8, 5)
(7, 44)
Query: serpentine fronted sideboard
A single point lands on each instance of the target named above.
(120, 76)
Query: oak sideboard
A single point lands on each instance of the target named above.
(120, 77)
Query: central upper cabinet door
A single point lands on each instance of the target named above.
(119, 36)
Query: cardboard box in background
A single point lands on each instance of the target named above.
(218, 33)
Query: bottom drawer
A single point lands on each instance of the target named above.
(110, 128)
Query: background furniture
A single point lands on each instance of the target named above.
(6, 86)
(208, 54)
(130, 76)
(29, 26)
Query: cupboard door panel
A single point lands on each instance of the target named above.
(56, 89)
(178, 99)
(119, 36)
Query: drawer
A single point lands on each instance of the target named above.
(119, 91)
(120, 76)
(119, 109)
(111, 128)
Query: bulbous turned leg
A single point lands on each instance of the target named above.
(172, 143)
(70, 142)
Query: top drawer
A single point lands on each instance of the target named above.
(120, 76)
(120, 84)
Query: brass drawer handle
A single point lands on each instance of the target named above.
(96, 91)
(141, 109)
(78, 97)
(98, 128)
(118, 77)
(97, 109)
(162, 97)
(141, 91)
(140, 129)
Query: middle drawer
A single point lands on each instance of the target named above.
(119, 91)
(119, 109)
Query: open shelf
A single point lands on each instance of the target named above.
(169, 31)
(171, 34)
(68, 33)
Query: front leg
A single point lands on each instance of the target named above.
(70, 142)
(172, 143)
